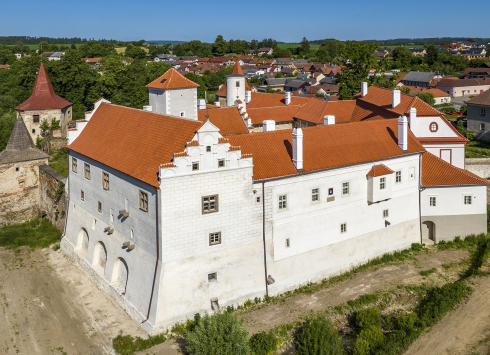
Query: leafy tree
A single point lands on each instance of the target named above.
(73, 46)
(281, 53)
(318, 337)
(220, 334)
(465, 132)
(279, 75)
(135, 52)
(44, 125)
(427, 97)
(431, 55)
(402, 57)
(43, 47)
(55, 124)
(6, 56)
(332, 47)
(305, 45)
(358, 60)
(220, 46)
(405, 90)
(7, 122)
(263, 343)
(290, 75)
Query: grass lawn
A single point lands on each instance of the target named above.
(123, 49)
(295, 45)
(477, 149)
(36, 233)
(58, 161)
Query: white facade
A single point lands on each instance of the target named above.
(235, 89)
(175, 102)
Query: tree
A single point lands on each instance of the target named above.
(220, 46)
(358, 61)
(135, 52)
(317, 336)
(279, 75)
(43, 47)
(92, 49)
(405, 90)
(281, 53)
(7, 122)
(402, 57)
(305, 45)
(431, 55)
(220, 334)
(201, 90)
(427, 97)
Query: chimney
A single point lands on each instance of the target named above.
(217, 103)
(396, 98)
(248, 96)
(364, 89)
(298, 148)
(403, 133)
(288, 98)
(413, 120)
(147, 108)
(269, 125)
(328, 120)
(201, 104)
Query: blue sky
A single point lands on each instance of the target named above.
(285, 20)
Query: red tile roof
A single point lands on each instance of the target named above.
(436, 92)
(379, 170)
(227, 119)
(260, 100)
(144, 140)
(437, 172)
(43, 96)
(354, 143)
(172, 79)
(277, 114)
(315, 110)
(237, 69)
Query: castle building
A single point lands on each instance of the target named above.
(44, 104)
(177, 214)
(19, 176)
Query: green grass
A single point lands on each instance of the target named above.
(296, 45)
(427, 272)
(35, 233)
(123, 49)
(477, 149)
(126, 344)
(59, 161)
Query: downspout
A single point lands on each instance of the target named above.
(263, 238)
(158, 254)
(420, 196)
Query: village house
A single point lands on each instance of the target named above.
(440, 96)
(415, 78)
(463, 87)
(479, 115)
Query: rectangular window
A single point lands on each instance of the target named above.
(343, 227)
(283, 202)
(195, 166)
(398, 176)
(237, 84)
(213, 277)
(382, 183)
(105, 181)
(112, 215)
(345, 188)
(35, 118)
(288, 242)
(143, 201)
(412, 173)
(99, 206)
(258, 199)
(315, 195)
(87, 171)
(208, 148)
(82, 195)
(467, 200)
(385, 214)
(432, 201)
(74, 165)
(210, 204)
(482, 112)
(33, 130)
(482, 126)
(214, 238)
(221, 163)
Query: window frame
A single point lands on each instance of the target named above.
(223, 163)
(211, 235)
(432, 201)
(99, 206)
(214, 278)
(86, 171)
(74, 165)
(398, 177)
(482, 112)
(315, 195)
(104, 175)
(143, 202)
(482, 126)
(343, 227)
(208, 149)
(36, 118)
(468, 198)
(344, 187)
(209, 210)
(288, 242)
(196, 163)
(386, 213)
(282, 202)
(382, 183)
(82, 195)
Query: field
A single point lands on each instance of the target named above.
(123, 49)
(295, 45)
(33, 47)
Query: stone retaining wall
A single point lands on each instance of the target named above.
(478, 166)
(52, 196)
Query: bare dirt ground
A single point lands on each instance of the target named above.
(49, 306)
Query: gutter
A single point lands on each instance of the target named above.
(263, 238)
(157, 195)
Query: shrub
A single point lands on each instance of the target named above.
(417, 247)
(368, 317)
(406, 322)
(126, 344)
(317, 337)
(368, 341)
(263, 343)
(219, 334)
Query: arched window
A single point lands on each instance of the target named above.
(433, 127)
(100, 256)
(82, 244)
(120, 275)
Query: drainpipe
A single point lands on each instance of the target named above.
(263, 238)
(420, 196)
(158, 254)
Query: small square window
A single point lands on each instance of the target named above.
(99, 206)
(343, 227)
(105, 181)
(283, 202)
(467, 200)
(382, 183)
(315, 195)
(182, 114)
(143, 201)
(33, 130)
(17, 169)
(412, 173)
(258, 199)
(82, 195)
(195, 166)
(398, 176)
(221, 163)
(74, 165)
(208, 148)
(432, 201)
(213, 277)
(35, 119)
(87, 171)
(209, 204)
(288, 242)
(386, 214)
(330, 191)
(345, 188)
(237, 84)
(214, 238)
(482, 112)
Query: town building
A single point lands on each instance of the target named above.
(44, 104)
(463, 87)
(415, 78)
(478, 116)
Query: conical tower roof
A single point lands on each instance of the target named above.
(20, 146)
(237, 69)
(43, 96)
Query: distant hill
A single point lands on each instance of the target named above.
(164, 42)
(417, 41)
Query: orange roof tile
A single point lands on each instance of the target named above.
(379, 170)
(43, 96)
(227, 119)
(277, 114)
(437, 172)
(437, 140)
(237, 69)
(260, 100)
(272, 151)
(315, 110)
(137, 149)
(172, 79)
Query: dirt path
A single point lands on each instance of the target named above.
(461, 330)
(49, 306)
